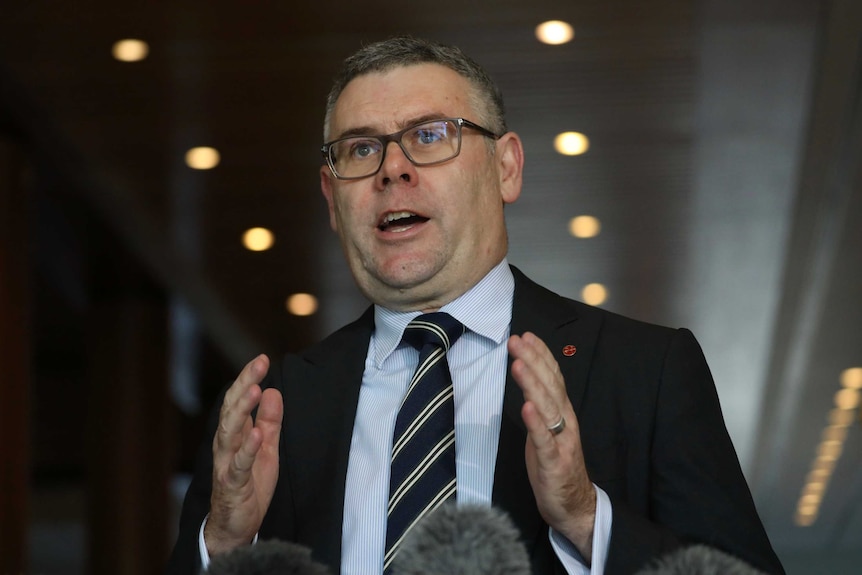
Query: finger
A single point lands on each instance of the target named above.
(239, 472)
(252, 374)
(536, 354)
(543, 355)
(269, 418)
(540, 385)
(538, 434)
(241, 398)
(244, 394)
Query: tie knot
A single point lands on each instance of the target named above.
(438, 328)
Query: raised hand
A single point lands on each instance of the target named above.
(245, 459)
(564, 493)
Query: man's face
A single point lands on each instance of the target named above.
(455, 232)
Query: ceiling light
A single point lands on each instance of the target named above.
(130, 50)
(841, 417)
(302, 304)
(852, 378)
(805, 519)
(829, 450)
(594, 294)
(584, 227)
(555, 32)
(571, 143)
(202, 158)
(825, 464)
(818, 475)
(847, 398)
(809, 499)
(257, 239)
(835, 433)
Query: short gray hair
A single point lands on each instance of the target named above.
(406, 51)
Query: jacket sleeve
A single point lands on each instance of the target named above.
(185, 558)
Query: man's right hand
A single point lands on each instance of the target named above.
(245, 460)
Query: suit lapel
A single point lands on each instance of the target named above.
(326, 392)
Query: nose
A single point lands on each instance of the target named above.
(396, 167)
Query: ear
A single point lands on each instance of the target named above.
(510, 163)
(326, 185)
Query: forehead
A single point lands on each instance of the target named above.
(387, 101)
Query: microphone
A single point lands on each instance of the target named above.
(699, 560)
(272, 557)
(465, 540)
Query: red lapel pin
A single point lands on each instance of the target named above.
(570, 350)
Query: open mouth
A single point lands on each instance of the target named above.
(399, 221)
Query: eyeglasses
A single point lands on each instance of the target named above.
(424, 144)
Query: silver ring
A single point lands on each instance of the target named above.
(558, 427)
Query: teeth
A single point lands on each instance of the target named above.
(397, 216)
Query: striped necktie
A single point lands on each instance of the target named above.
(423, 445)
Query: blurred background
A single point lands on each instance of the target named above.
(714, 183)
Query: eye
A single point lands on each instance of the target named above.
(361, 149)
(430, 133)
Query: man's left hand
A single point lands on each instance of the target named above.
(555, 461)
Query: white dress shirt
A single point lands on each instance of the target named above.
(478, 363)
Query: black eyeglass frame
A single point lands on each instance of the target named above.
(460, 123)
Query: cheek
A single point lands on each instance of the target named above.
(346, 218)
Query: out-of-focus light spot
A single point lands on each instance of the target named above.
(809, 499)
(834, 433)
(829, 450)
(130, 50)
(852, 378)
(555, 32)
(817, 475)
(841, 417)
(807, 508)
(594, 294)
(302, 304)
(571, 143)
(847, 398)
(584, 227)
(257, 239)
(815, 488)
(806, 519)
(202, 158)
(825, 464)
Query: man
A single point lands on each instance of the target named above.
(601, 436)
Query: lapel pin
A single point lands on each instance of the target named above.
(570, 350)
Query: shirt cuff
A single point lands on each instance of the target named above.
(202, 545)
(568, 554)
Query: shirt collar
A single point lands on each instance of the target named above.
(486, 309)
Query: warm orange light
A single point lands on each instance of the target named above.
(584, 227)
(841, 417)
(203, 158)
(806, 519)
(852, 378)
(847, 398)
(594, 294)
(555, 32)
(571, 143)
(130, 50)
(302, 304)
(829, 450)
(834, 433)
(258, 239)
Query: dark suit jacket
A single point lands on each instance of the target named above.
(652, 431)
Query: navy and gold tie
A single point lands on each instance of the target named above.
(423, 445)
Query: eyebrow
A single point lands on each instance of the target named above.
(369, 131)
